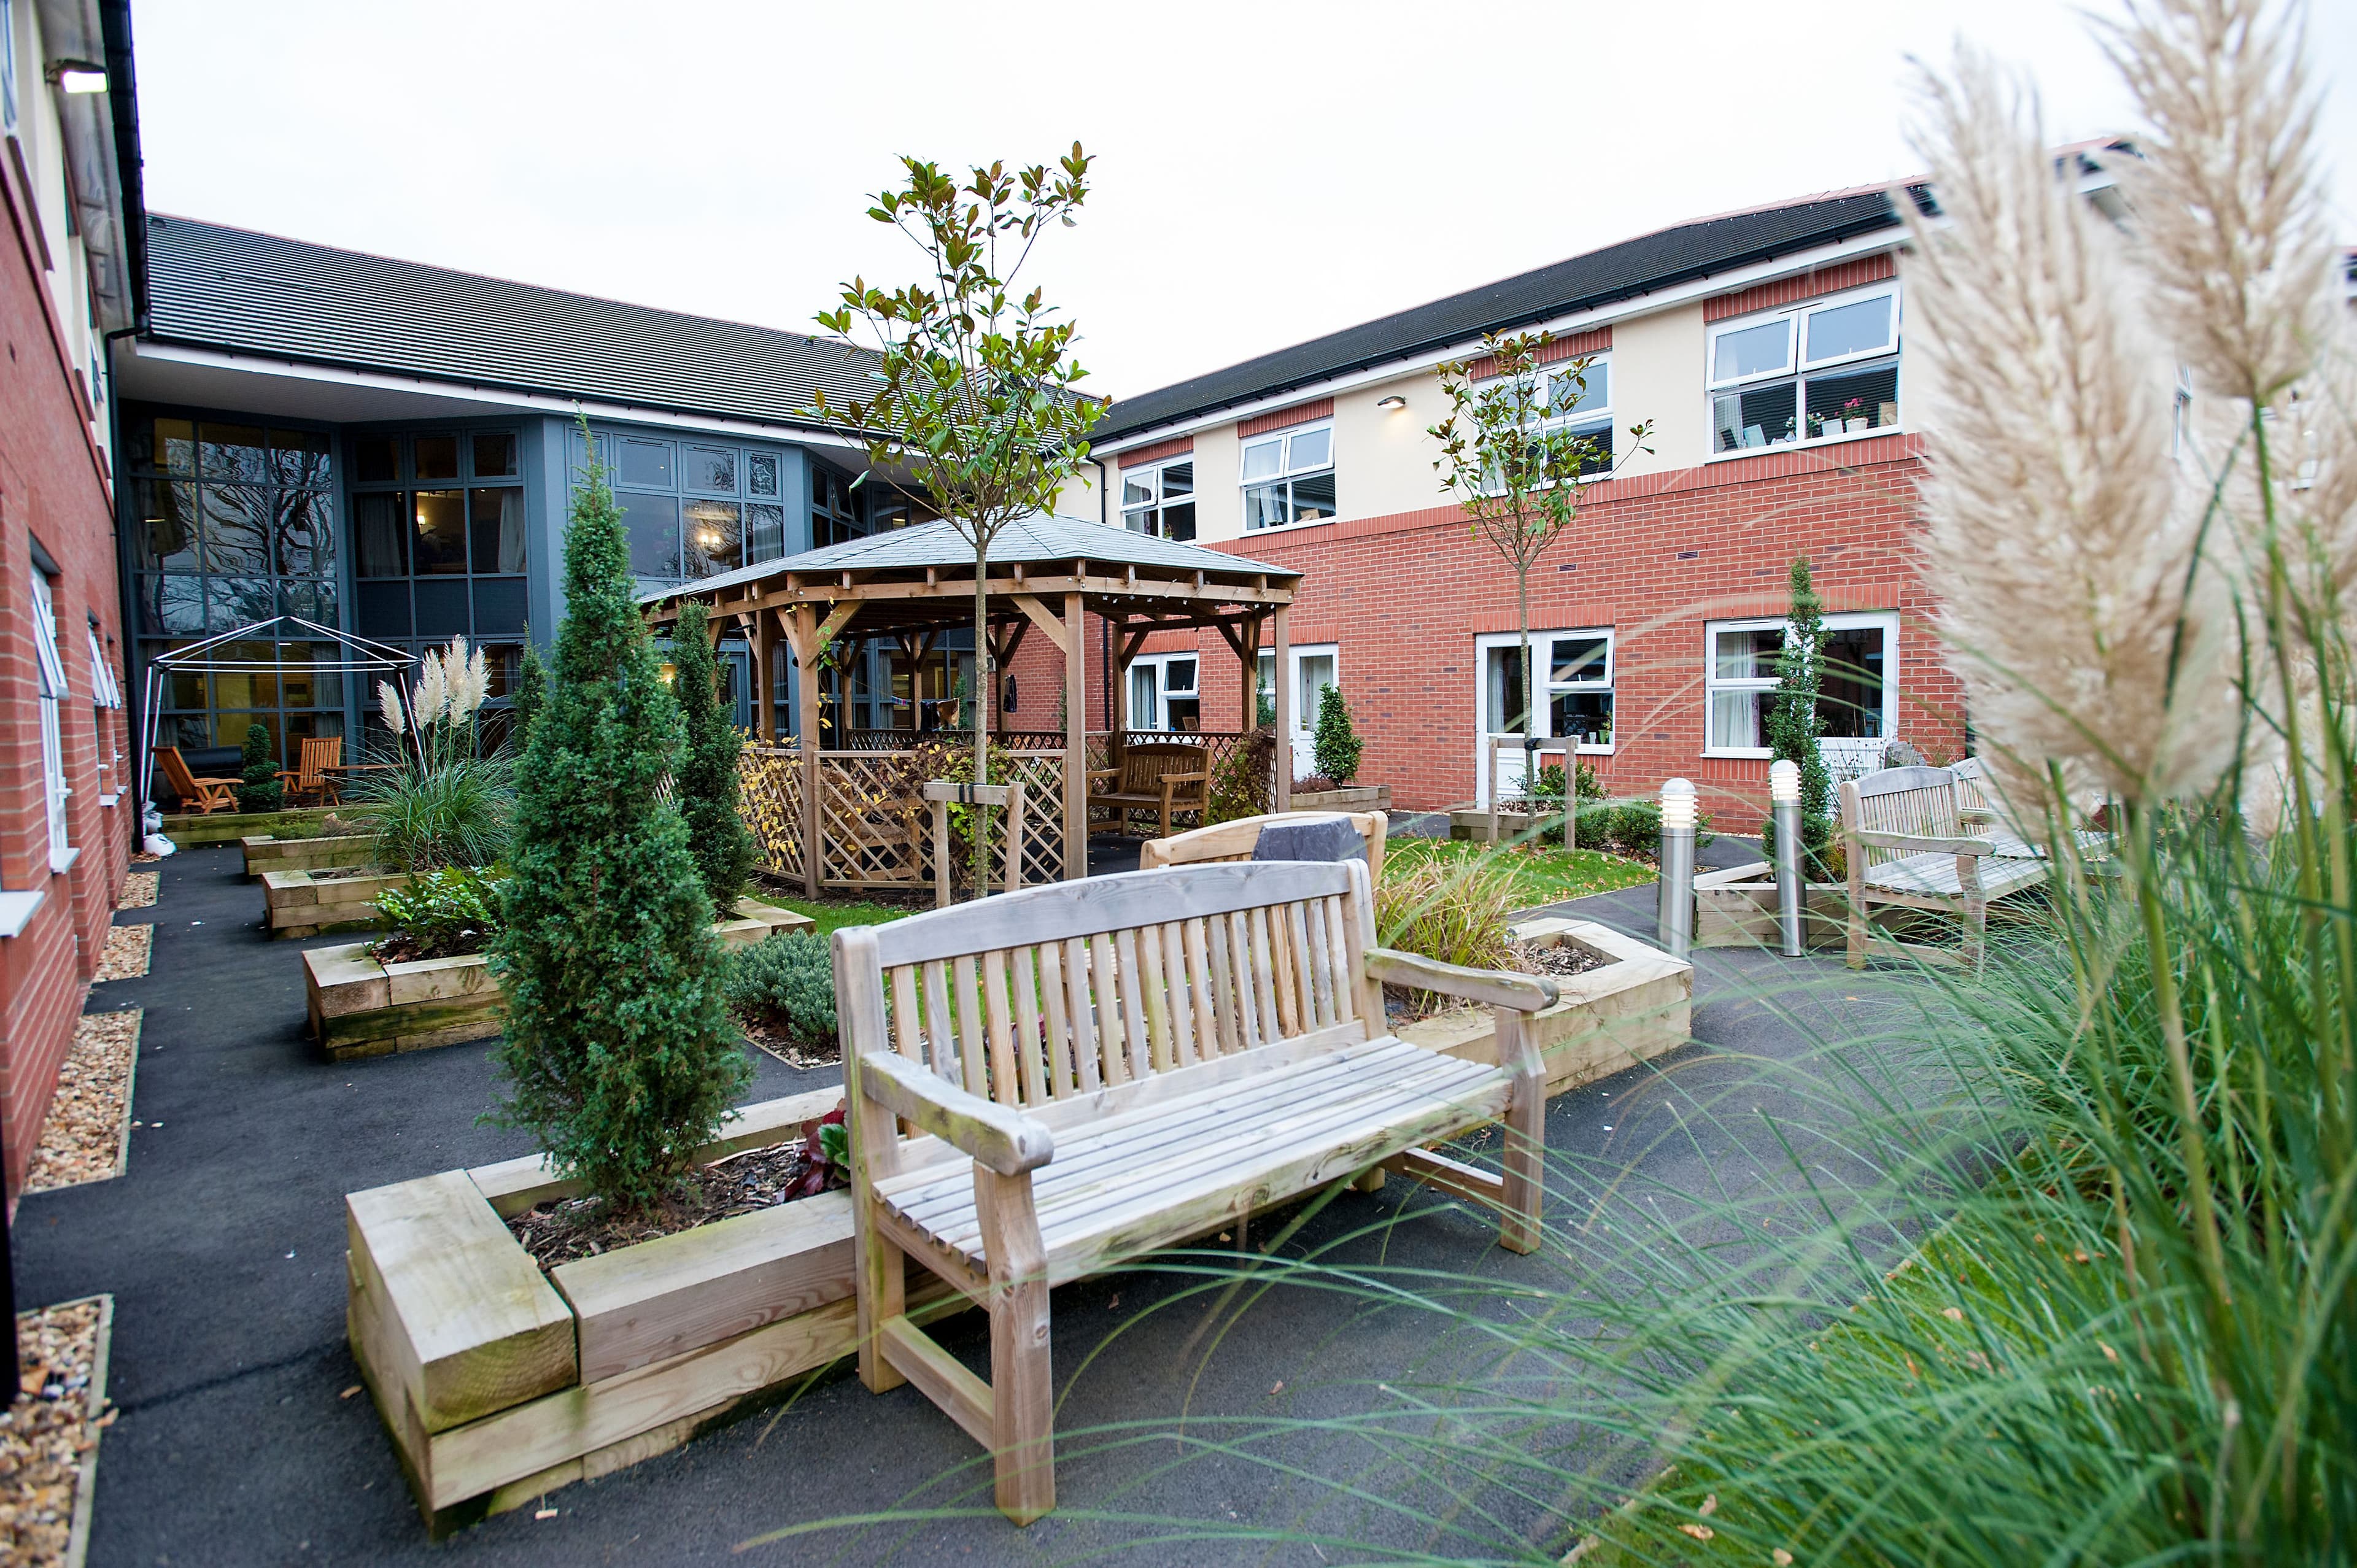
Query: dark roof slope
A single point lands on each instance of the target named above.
(252, 292)
(1633, 267)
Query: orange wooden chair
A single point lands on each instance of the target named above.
(205, 796)
(309, 781)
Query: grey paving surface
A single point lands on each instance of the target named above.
(239, 1443)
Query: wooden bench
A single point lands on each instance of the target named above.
(204, 796)
(1130, 1062)
(1903, 833)
(1165, 777)
(1235, 840)
(1977, 808)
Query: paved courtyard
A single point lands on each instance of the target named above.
(239, 1440)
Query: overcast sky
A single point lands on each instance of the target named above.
(1267, 172)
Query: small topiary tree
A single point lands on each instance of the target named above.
(1336, 746)
(1794, 723)
(618, 1055)
(262, 790)
(531, 695)
(706, 785)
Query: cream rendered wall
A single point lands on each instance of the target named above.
(1382, 459)
(40, 134)
(1218, 489)
(1082, 494)
(1657, 374)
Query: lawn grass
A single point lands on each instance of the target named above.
(831, 914)
(1541, 874)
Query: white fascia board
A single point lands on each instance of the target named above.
(490, 397)
(1563, 326)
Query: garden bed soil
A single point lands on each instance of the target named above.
(86, 1135)
(778, 1042)
(48, 1437)
(1555, 959)
(562, 1229)
(126, 952)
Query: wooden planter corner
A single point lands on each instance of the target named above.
(266, 852)
(1351, 797)
(1634, 1007)
(498, 1384)
(1736, 908)
(297, 903)
(361, 1008)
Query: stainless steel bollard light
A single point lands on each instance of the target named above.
(1677, 867)
(1784, 798)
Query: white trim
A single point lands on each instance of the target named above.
(1287, 473)
(16, 910)
(53, 690)
(1887, 620)
(1542, 711)
(1406, 366)
(1154, 476)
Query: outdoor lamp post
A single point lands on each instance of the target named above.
(1785, 798)
(1677, 867)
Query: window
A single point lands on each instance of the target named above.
(1823, 371)
(1288, 477)
(1856, 697)
(1574, 672)
(439, 540)
(1164, 694)
(1160, 500)
(105, 694)
(834, 510)
(1580, 402)
(50, 672)
(690, 509)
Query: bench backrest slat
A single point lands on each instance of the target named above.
(1918, 801)
(1061, 991)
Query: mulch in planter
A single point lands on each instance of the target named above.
(126, 952)
(1555, 959)
(46, 1431)
(404, 947)
(563, 1230)
(82, 1136)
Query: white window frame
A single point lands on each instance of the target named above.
(1160, 663)
(1799, 369)
(1287, 472)
(1887, 620)
(1543, 669)
(1587, 420)
(53, 690)
(105, 692)
(1153, 475)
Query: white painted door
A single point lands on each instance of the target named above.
(1315, 668)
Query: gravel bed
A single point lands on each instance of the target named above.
(47, 1432)
(84, 1136)
(125, 956)
(138, 890)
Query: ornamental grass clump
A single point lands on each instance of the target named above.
(446, 797)
(618, 1055)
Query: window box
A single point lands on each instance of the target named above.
(1825, 370)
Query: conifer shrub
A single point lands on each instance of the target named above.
(705, 783)
(1794, 724)
(262, 790)
(619, 1055)
(1335, 747)
(787, 980)
(531, 692)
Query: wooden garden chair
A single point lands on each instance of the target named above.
(1164, 776)
(1236, 839)
(1904, 835)
(1130, 1062)
(203, 795)
(311, 782)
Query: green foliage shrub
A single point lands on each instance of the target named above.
(451, 813)
(788, 979)
(1335, 745)
(1242, 780)
(1457, 911)
(1794, 724)
(618, 1056)
(440, 914)
(262, 790)
(706, 782)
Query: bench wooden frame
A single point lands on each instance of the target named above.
(1152, 775)
(1236, 839)
(1132, 1061)
(1006, 799)
(1903, 833)
(204, 796)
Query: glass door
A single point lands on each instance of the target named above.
(1313, 669)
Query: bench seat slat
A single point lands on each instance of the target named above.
(1937, 873)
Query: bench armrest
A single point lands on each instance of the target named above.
(1007, 1141)
(1918, 845)
(1523, 992)
(1097, 773)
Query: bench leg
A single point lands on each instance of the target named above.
(1524, 1165)
(1022, 1393)
(1857, 925)
(879, 1268)
(1976, 910)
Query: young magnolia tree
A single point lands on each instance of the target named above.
(1509, 457)
(974, 395)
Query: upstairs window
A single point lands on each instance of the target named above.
(1288, 477)
(1579, 402)
(1159, 500)
(1821, 371)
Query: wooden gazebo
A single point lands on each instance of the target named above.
(1045, 573)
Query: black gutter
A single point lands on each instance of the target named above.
(122, 102)
(1832, 236)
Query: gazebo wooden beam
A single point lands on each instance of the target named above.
(1140, 588)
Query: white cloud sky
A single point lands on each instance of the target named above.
(1267, 172)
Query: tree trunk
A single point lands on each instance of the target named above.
(1530, 688)
(983, 677)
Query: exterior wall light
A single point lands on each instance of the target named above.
(1392, 403)
(77, 76)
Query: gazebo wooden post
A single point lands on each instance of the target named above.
(1246, 642)
(1283, 790)
(765, 706)
(1076, 739)
(802, 632)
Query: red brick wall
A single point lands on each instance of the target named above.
(53, 487)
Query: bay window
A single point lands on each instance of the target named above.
(1288, 477)
(1160, 500)
(1814, 373)
(1857, 686)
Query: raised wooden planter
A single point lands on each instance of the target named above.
(498, 1384)
(193, 830)
(1736, 908)
(300, 904)
(1473, 822)
(1636, 1006)
(1355, 798)
(359, 1007)
(266, 852)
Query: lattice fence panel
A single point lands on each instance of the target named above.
(1042, 777)
(769, 797)
(872, 820)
